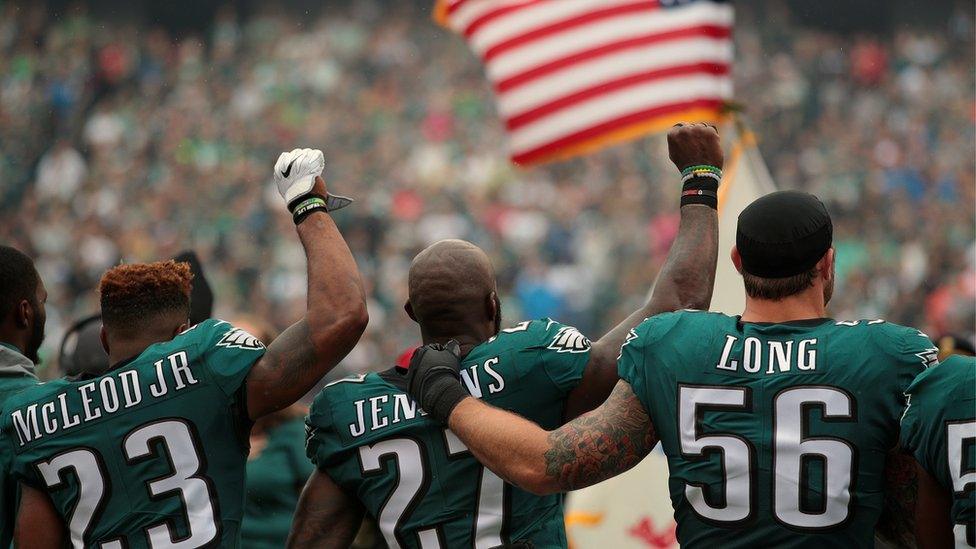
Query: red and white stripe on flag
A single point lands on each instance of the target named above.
(572, 76)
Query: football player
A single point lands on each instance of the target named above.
(939, 433)
(22, 317)
(377, 452)
(775, 423)
(152, 452)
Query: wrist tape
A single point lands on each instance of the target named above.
(304, 206)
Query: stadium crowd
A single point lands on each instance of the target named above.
(165, 143)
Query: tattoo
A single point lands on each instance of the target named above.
(603, 443)
(285, 372)
(896, 525)
(292, 353)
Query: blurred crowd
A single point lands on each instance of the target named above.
(121, 141)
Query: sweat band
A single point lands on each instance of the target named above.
(305, 206)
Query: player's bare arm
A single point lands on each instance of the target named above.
(932, 523)
(896, 524)
(593, 447)
(686, 280)
(336, 314)
(39, 526)
(916, 508)
(326, 516)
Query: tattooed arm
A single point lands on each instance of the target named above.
(593, 447)
(334, 321)
(326, 516)
(896, 525)
(916, 507)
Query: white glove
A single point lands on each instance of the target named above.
(295, 172)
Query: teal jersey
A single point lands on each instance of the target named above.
(416, 478)
(939, 430)
(9, 492)
(275, 479)
(150, 454)
(775, 434)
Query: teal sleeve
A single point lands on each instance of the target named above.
(915, 353)
(229, 353)
(630, 364)
(913, 422)
(638, 354)
(564, 353)
(318, 427)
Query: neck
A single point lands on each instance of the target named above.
(14, 338)
(799, 307)
(128, 348)
(468, 339)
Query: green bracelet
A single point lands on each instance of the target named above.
(701, 168)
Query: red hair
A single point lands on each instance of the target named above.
(135, 293)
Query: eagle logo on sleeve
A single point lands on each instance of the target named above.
(569, 340)
(239, 339)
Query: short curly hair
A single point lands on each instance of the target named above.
(137, 294)
(18, 280)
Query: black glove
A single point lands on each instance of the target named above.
(434, 379)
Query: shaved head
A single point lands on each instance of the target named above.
(452, 286)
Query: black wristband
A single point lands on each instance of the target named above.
(700, 190)
(305, 205)
(442, 394)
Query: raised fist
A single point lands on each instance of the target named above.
(695, 144)
(295, 173)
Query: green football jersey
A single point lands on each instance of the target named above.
(775, 434)
(150, 454)
(9, 493)
(939, 429)
(416, 478)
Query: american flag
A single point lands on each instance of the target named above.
(572, 76)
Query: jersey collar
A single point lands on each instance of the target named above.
(802, 323)
(11, 346)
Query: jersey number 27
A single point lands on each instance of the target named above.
(413, 477)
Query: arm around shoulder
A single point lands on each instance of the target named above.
(593, 447)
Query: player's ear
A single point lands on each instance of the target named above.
(180, 329)
(491, 306)
(103, 336)
(826, 264)
(23, 314)
(409, 309)
(736, 259)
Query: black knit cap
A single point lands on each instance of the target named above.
(783, 234)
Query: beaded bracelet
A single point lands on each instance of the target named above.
(699, 185)
(702, 168)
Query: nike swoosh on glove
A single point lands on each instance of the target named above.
(295, 173)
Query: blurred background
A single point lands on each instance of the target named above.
(130, 130)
